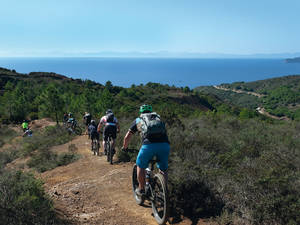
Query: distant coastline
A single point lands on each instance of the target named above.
(178, 72)
(293, 60)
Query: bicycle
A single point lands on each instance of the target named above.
(156, 192)
(108, 149)
(95, 146)
(73, 128)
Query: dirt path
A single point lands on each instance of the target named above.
(239, 91)
(259, 109)
(91, 191)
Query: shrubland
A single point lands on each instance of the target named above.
(227, 162)
(280, 96)
(236, 171)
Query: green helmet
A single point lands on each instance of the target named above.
(145, 108)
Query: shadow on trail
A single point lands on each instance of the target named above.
(193, 200)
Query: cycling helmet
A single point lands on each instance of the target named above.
(93, 122)
(70, 114)
(145, 108)
(109, 111)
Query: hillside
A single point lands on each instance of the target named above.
(293, 60)
(77, 96)
(279, 96)
(228, 164)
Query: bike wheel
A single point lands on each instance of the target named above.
(78, 130)
(135, 184)
(160, 202)
(107, 151)
(111, 154)
(94, 146)
(97, 147)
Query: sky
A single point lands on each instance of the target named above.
(89, 27)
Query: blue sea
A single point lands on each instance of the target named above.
(179, 72)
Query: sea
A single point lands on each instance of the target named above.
(180, 72)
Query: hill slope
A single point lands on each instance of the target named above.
(279, 96)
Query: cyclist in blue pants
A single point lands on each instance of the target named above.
(152, 145)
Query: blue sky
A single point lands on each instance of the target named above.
(86, 27)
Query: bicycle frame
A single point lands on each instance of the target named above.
(155, 191)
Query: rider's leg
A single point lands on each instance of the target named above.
(141, 177)
(145, 155)
(162, 152)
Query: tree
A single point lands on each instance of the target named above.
(51, 102)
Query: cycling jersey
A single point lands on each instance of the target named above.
(25, 125)
(110, 128)
(93, 132)
(105, 123)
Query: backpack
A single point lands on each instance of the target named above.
(92, 129)
(110, 118)
(151, 125)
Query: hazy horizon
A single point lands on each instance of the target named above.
(91, 28)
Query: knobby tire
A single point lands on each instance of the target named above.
(135, 184)
(160, 203)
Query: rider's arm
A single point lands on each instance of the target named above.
(99, 127)
(127, 139)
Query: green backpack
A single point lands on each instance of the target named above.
(151, 126)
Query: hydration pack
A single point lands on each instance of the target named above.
(110, 118)
(151, 125)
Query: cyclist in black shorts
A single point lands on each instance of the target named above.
(111, 127)
(92, 130)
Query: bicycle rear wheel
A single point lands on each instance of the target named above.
(111, 155)
(97, 147)
(160, 202)
(107, 150)
(78, 130)
(135, 184)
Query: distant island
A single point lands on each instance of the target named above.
(293, 60)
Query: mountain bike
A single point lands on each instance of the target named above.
(73, 128)
(95, 146)
(156, 192)
(108, 149)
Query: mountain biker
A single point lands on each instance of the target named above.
(155, 145)
(25, 125)
(65, 119)
(87, 117)
(71, 121)
(92, 131)
(111, 127)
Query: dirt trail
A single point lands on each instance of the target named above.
(259, 109)
(91, 191)
(239, 91)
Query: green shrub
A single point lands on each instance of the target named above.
(23, 200)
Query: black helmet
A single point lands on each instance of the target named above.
(93, 122)
(109, 111)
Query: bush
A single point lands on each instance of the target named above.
(247, 168)
(23, 200)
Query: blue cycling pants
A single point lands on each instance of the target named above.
(148, 151)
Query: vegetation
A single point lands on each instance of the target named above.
(281, 96)
(23, 200)
(234, 170)
(227, 162)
